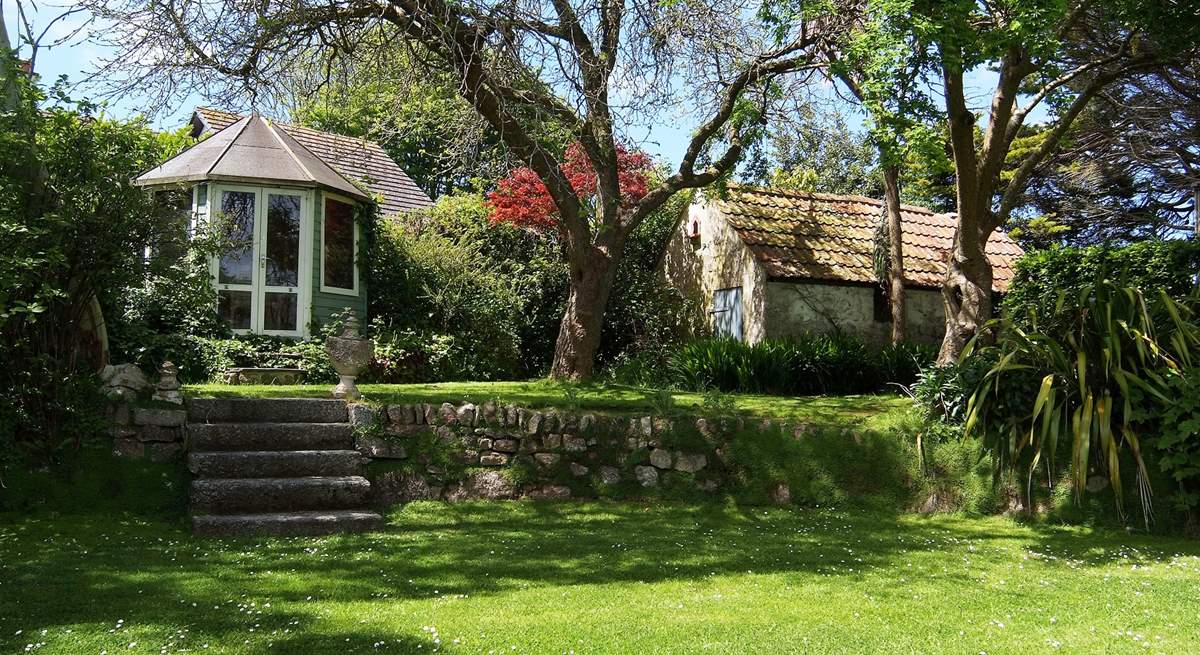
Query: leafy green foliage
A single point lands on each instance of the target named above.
(882, 59)
(1150, 266)
(72, 232)
(487, 299)
(434, 285)
(810, 365)
(204, 359)
(1081, 387)
(1178, 441)
(168, 317)
(942, 392)
(815, 150)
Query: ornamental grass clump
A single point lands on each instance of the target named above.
(1082, 387)
(806, 365)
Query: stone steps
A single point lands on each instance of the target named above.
(255, 495)
(267, 410)
(289, 524)
(275, 463)
(209, 437)
(277, 467)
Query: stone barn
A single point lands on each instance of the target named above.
(768, 263)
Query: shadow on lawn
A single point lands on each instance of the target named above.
(96, 572)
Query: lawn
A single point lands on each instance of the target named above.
(589, 397)
(599, 578)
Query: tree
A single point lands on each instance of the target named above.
(591, 68)
(1043, 52)
(416, 115)
(1125, 171)
(73, 230)
(1129, 168)
(8, 85)
(811, 148)
(877, 61)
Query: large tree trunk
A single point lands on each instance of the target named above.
(891, 197)
(592, 276)
(966, 291)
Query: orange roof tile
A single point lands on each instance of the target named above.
(831, 237)
(357, 159)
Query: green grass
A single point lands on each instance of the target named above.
(598, 578)
(589, 397)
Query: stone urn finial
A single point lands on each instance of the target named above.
(350, 353)
(351, 329)
(167, 389)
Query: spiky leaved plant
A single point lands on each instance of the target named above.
(1084, 384)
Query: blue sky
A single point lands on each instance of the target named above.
(666, 139)
(77, 57)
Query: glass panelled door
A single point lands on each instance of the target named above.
(264, 275)
(281, 263)
(235, 269)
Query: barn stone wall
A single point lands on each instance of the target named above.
(704, 255)
(794, 308)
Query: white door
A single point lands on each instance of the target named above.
(727, 313)
(264, 276)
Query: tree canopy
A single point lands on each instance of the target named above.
(591, 69)
(416, 114)
(1049, 54)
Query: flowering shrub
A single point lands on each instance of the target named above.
(522, 199)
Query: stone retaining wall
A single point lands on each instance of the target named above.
(424, 451)
(151, 432)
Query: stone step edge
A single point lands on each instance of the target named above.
(239, 410)
(198, 461)
(268, 437)
(280, 425)
(311, 478)
(302, 493)
(296, 523)
(277, 452)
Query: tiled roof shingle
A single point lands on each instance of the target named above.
(831, 237)
(357, 159)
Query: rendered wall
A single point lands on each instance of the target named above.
(796, 308)
(714, 259)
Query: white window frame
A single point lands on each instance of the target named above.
(338, 290)
(258, 287)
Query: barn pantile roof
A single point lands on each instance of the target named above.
(356, 159)
(820, 236)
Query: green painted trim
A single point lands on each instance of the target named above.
(325, 305)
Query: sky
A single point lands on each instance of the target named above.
(77, 57)
(666, 139)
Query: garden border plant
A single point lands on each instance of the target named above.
(1086, 386)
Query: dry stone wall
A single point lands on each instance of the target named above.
(425, 452)
(155, 433)
(144, 420)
